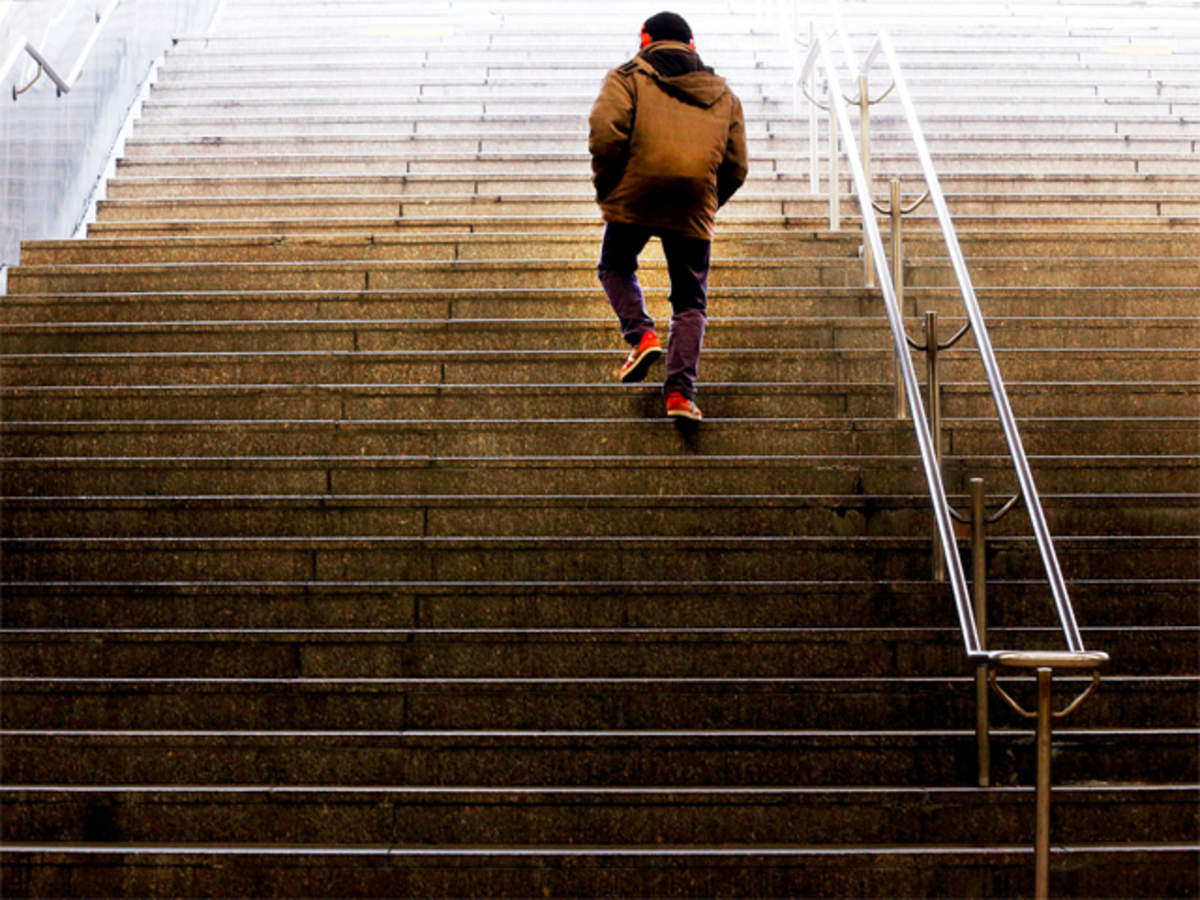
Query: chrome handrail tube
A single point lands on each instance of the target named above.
(972, 618)
(983, 343)
(882, 47)
(819, 51)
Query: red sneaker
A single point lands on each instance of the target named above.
(681, 407)
(640, 358)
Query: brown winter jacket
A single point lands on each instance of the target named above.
(668, 142)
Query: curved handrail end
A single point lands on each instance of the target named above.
(1049, 659)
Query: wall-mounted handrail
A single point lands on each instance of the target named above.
(62, 84)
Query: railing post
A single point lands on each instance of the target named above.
(835, 187)
(814, 131)
(1044, 663)
(897, 217)
(1041, 878)
(864, 119)
(934, 402)
(979, 584)
(897, 242)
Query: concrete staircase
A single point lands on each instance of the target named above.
(335, 563)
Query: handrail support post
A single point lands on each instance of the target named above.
(897, 217)
(864, 119)
(934, 402)
(1041, 889)
(814, 131)
(835, 187)
(979, 585)
(1043, 663)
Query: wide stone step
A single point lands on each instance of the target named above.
(767, 93)
(460, 143)
(577, 203)
(373, 65)
(547, 273)
(574, 757)
(513, 102)
(582, 514)
(371, 157)
(54, 869)
(542, 62)
(767, 131)
(672, 474)
(574, 93)
(566, 652)
(587, 302)
(168, 96)
(919, 24)
(782, 703)
(556, 244)
(960, 163)
(470, 36)
(383, 401)
(729, 243)
(1127, 270)
(455, 367)
(615, 817)
(1098, 221)
(962, 167)
(492, 334)
(531, 401)
(776, 68)
(1164, 176)
(581, 204)
(629, 558)
(575, 96)
(1064, 79)
(786, 140)
(1112, 174)
(399, 274)
(581, 437)
(753, 604)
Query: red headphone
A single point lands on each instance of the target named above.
(647, 40)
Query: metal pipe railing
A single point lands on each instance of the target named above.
(819, 54)
(1041, 531)
(972, 617)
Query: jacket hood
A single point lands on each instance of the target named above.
(680, 72)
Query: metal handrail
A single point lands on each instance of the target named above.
(972, 618)
(1032, 502)
(819, 53)
(62, 85)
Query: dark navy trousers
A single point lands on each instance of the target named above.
(688, 261)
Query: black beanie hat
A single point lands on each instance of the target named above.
(668, 26)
